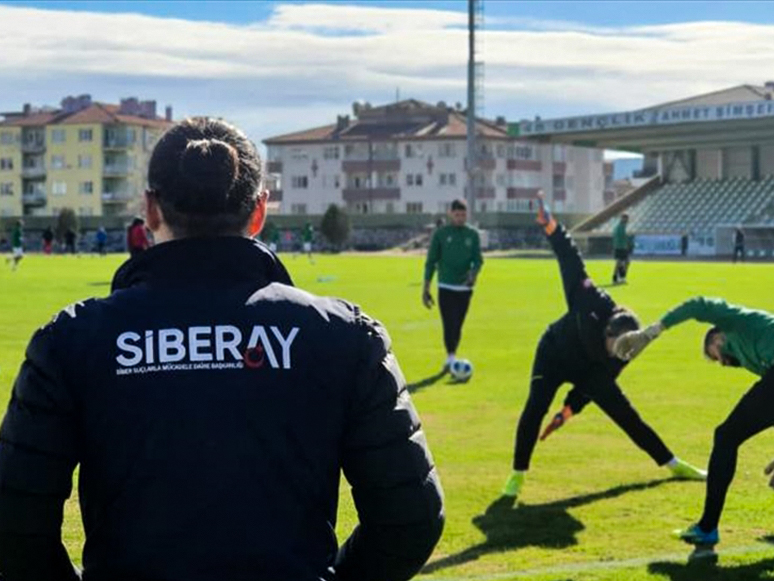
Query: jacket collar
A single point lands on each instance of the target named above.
(222, 260)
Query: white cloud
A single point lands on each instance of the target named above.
(307, 62)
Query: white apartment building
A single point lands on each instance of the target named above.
(410, 157)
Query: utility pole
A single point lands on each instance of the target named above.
(471, 164)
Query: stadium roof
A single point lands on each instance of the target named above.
(743, 114)
(409, 119)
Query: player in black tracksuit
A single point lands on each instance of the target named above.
(577, 349)
(211, 407)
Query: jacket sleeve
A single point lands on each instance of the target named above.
(38, 453)
(478, 258)
(706, 310)
(395, 486)
(571, 265)
(433, 256)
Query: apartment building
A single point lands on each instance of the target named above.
(410, 157)
(88, 156)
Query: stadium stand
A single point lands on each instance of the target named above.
(700, 206)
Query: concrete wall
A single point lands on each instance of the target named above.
(709, 164)
(737, 162)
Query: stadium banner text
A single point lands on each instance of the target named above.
(657, 244)
(648, 118)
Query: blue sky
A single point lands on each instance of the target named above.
(277, 67)
(614, 13)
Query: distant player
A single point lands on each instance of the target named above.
(621, 250)
(70, 238)
(137, 238)
(101, 238)
(577, 349)
(307, 235)
(738, 244)
(455, 250)
(48, 240)
(740, 337)
(17, 245)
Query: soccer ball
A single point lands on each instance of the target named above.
(461, 369)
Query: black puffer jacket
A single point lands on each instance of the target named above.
(211, 407)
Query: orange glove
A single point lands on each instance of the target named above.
(557, 422)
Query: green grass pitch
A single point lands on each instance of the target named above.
(594, 506)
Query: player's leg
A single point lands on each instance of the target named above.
(609, 397)
(453, 306)
(544, 383)
(753, 414)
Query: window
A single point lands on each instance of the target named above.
(447, 150)
(500, 179)
(452, 179)
(331, 152)
(7, 138)
(413, 207)
(299, 182)
(6, 163)
(336, 181)
(83, 211)
(57, 161)
(58, 136)
(86, 188)
(59, 188)
(6, 189)
(298, 208)
(521, 152)
(441, 179)
(418, 179)
(409, 179)
(409, 151)
(85, 135)
(558, 181)
(84, 161)
(298, 154)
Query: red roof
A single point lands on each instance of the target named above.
(96, 113)
(410, 120)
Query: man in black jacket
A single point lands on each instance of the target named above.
(578, 349)
(211, 407)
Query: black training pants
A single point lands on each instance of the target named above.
(599, 386)
(453, 306)
(753, 414)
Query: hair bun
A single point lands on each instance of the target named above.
(209, 167)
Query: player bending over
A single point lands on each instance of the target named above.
(577, 349)
(740, 337)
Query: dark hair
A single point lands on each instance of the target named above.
(621, 321)
(459, 204)
(708, 337)
(206, 175)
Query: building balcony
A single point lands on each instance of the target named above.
(560, 194)
(274, 167)
(525, 165)
(370, 194)
(33, 172)
(370, 165)
(118, 196)
(484, 193)
(117, 143)
(116, 170)
(275, 195)
(34, 198)
(33, 146)
(522, 193)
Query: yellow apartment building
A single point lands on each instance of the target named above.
(88, 156)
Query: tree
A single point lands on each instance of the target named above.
(335, 225)
(66, 220)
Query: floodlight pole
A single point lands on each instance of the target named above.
(471, 159)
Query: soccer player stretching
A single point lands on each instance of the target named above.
(577, 349)
(740, 337)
